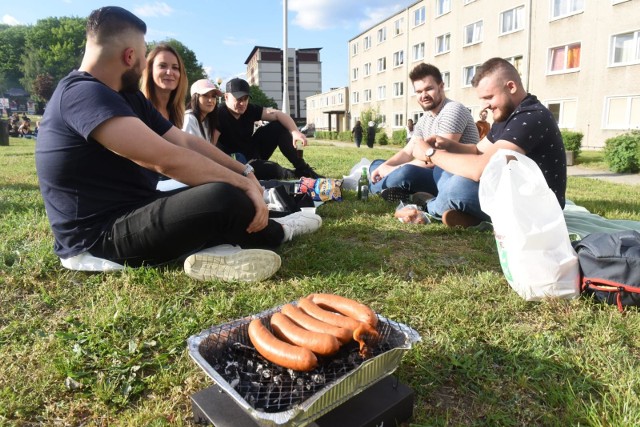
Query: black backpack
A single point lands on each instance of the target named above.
(610, 267)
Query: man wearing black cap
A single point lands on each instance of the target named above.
(236, 119)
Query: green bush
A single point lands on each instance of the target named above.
(344, 136)
(382, 138)
(622, 152)
(399, 137)
(572, 141)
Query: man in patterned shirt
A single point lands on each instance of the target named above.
(520, 123)
(403, 175)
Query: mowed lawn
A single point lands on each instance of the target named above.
(110, 349)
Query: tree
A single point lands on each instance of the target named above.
(194, 69)
(43, 87)
(258, 97)
(54, 46)
(12, 48)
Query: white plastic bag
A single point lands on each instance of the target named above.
(531, 234)
(350, 182)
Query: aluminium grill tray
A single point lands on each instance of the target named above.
(312, 394)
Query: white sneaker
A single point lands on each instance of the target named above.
(232, 263)
(299, 223)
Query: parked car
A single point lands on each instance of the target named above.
(309, 129)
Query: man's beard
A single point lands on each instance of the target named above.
(505, 113)
(434, 104)
(131, 80)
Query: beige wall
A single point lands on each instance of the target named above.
(336, 100)
(580, 95)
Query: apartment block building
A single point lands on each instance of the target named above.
(581, 58)
(264, 69)
(328, 110)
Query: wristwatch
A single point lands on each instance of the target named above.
(247, 170)
(429, 153)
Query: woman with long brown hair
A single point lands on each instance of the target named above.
(164, 83)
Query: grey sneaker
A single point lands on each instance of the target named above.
(299, 223)
(232, 263)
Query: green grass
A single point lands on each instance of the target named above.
(110, 349)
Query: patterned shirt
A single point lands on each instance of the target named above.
(453, 118)
(533, 128)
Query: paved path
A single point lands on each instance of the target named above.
(618, 178)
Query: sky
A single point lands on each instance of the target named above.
(222, 34)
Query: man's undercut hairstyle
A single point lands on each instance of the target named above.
(423, 70)
(500, 66)
(109, 21)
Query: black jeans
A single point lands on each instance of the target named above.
(184, 221)
(271, 136)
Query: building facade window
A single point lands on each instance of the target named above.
(517, 63)
(418, 51)
(382, 64)
(354, 49)
(564, 58)
(367, 69)
(398, 89)
(366, 95)
(398, 27)
(354, 74)
(416, 116)
(622, 112)
(398, 58)
(562, 8)
(512, 20)
(564, 111)
(467, 74)
(382, 92)
(382, 34)
(355, 97)
(442, 7)
(446, 79)
(419, 16)
(366, 42)
(473, 33)
(398, 120)
(625, 49)
(443, 43)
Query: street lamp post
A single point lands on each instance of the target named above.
(285, 61)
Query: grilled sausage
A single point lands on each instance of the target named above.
(367, 336)
(320, 343)
(280, 352)
(346, 306)
(312, 324)
(335, 319)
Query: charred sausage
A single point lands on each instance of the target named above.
(318, 342)
(367, 336)
(280, 352)
(346, 306)
(312, 324)
(330, 317)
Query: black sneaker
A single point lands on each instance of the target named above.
(395, 194)
(307, 172)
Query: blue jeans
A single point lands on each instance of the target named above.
(455, 192)
(408, 177)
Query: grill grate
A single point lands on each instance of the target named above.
(272, 388)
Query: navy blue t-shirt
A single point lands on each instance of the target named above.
(533, 128)
(85, 186)
(235, 134)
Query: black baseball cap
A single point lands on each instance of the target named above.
(238, 87)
